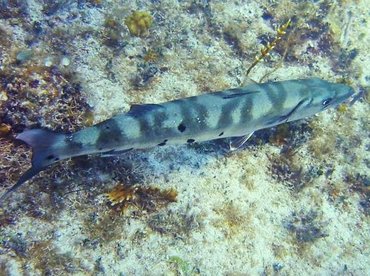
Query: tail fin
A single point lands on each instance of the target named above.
(43, 144)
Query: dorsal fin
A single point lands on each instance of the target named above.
(138, 109)
(248, 81)
(238, 92)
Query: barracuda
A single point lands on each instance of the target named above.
(233, 113)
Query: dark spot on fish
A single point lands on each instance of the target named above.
(181, 127)
(163, 143)
(56, 159)
(222, 133)
(190, 141)
(49, 157)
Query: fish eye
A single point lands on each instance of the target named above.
(326, 101)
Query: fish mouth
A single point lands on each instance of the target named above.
(351, 100)
(344, 94)
(360, 94)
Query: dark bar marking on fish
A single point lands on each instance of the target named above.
(203, 115)
(145, 127)
(285, 118)
(200, 113)
(188, 114)
(276, 100)
(226, 114)
(281, 95)
(110, 134)
(246, 112)
(158, 120)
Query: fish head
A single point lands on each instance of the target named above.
(333, 96)
(318, 96)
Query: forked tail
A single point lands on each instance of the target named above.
(44, 146)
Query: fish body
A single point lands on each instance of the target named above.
(230, 113)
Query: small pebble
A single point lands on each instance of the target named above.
(3, 96)
(24, 56)
(57, 234)
(65, 61)
(48, 61)
(4, 129)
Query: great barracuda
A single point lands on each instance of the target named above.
(231, 113)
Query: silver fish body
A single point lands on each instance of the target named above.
(230, 113)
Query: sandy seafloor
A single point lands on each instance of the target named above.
(290, 202)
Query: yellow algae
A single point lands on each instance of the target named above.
(139, 22)
(4, 129)
(149, 199)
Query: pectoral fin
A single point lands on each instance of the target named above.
(237, 142)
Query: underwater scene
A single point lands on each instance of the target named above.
(117, 157)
